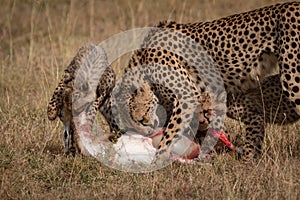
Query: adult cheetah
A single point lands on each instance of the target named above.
(245, 48)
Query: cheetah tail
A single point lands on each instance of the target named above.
(55, 103)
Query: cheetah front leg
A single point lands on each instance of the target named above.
(183, 121)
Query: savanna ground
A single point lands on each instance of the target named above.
(39, 38)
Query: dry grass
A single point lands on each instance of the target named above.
(38, 39)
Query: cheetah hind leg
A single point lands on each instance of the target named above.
(255, 134)
(69, 140)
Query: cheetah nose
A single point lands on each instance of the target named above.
(202, 121)
(142, 121)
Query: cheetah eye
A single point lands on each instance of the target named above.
(207, 113)
(142, 121)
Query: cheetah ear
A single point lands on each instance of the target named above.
(55, 104)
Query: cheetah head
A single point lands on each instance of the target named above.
(143, 107)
